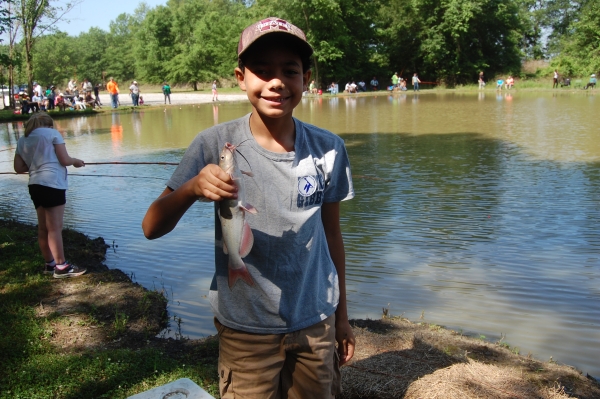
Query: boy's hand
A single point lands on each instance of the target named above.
(345, 339)
(214, 184)
(78, 163)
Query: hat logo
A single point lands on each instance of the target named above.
(268, 24)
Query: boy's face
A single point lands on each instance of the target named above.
(273, 80)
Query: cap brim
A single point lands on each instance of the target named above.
(303, 47)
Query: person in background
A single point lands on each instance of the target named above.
(86, 86)
(333, 88)
(312, 88)
(59, 102)
(481, 81)
(113, 90)
(499, 84)
(78, 103)
(89, 100)
(166, 89)
(592, 82)
(215, 96)
(555, 84)
(374, 84)
(71, 85)
(37, 89)
(395, 80)
(97, 95)
(510, 82)
(42, 153)
(51, 96)
(134, 90)
(39, 100)
(362, 86)
(415, 82)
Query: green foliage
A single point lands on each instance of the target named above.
(580, 55)
(33, 368)
(195, 41)
(452, 40)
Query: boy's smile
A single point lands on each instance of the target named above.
(273, 80)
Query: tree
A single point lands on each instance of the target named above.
(205, 35)
(340, 31)
(10, 24)
(452, 40)
(154, 44)
(60, 58)
(37, 17)
(580, 49)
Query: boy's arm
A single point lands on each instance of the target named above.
(165, 212)
(330, 215)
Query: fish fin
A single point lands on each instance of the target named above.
(237, 274)
(247, 173)
(225, 251)
(247, 240)
(249, 208)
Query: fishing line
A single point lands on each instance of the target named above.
(238, 151)
(7, 149)
(85, 175)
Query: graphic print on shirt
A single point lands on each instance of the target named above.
(310, 190)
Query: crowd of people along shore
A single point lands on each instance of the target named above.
(398, 83)
(80, 96)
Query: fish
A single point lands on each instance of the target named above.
(237, 234)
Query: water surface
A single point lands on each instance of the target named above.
(477, 211)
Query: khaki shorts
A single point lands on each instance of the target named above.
(299, 365)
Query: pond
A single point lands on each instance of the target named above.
(476, 211)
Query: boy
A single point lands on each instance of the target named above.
(277, 335)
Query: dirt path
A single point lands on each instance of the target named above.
(176, 98)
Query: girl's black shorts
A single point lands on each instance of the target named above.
(47, 197)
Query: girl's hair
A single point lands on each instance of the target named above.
(39, 119)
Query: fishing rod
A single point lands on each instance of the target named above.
(7, 149)
(131, 163)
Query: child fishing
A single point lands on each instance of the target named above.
(278, 327)
(42, 153)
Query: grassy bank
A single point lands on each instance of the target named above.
(96, 337)
(90, 337)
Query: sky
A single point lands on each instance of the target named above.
(98, 13)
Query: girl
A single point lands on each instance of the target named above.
(42, 153)
(214, 91)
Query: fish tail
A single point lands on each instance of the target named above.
(241, 273)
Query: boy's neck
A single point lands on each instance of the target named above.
(275, 135)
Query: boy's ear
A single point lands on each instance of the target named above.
(306, 78)
(239, 75)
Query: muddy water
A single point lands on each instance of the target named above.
(477, 211)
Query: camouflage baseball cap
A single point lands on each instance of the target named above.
(273, 25)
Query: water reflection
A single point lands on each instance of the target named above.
(215, 114)
(481, 211)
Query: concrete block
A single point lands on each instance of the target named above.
(183, 388)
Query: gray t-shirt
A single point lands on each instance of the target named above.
(37, 150)
(295, 281)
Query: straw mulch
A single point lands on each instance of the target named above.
(398, 359)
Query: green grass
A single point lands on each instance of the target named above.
(32, 368)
